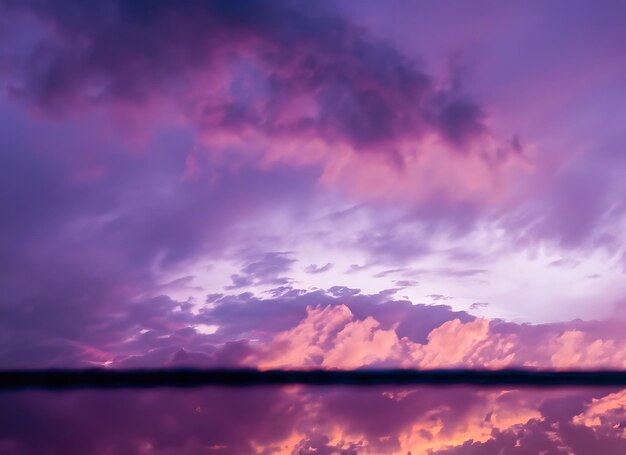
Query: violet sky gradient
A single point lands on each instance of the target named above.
(316, 184)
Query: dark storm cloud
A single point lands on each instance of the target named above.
(364, 91)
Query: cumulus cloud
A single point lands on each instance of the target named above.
(574, 349)
(297, 329)
(332, 336)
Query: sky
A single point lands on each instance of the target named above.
(333, 184)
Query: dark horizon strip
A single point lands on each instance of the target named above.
(149, 378)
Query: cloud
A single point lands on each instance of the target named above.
(315, 269)
(574, 349)
(359, 88)
(304, 329)
(265, 270)
(320, 92)
(145, 141)
(406, 283)
(438, 297)
(352, 331)
(605, 414)
(580, 205)
(454, 420)
(478, 305)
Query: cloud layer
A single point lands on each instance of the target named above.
(268, 184)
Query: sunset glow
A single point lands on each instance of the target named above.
(334, 184)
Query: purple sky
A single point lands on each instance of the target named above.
(328, 184)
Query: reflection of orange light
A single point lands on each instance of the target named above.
(605, 413)
(434, 429)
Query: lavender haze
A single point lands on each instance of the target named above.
(290, 184)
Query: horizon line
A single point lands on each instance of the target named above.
(104, 378)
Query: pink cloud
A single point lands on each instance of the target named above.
(353, 105)
(332, 337)
(605, 414)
